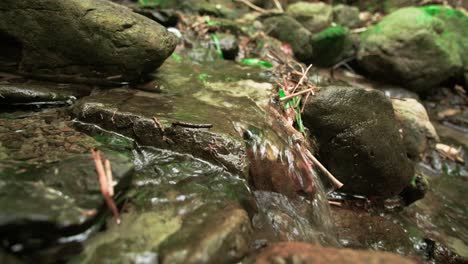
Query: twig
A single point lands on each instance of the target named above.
(104, 183)
(310, 90)
(191, 125)
(158, 124)
(334, 203)
(278, 5)
(304, 75)
(110, 181)
(254, 7)
(335, 181)
(305, 102)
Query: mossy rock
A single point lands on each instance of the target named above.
(289, 30)
(86, 38)
(359, 140)
(419, 48)
(346, 15)
(332, 45)
(315, 17)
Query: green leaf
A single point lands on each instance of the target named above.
(218, 46)
(256, 62)
(203, 76)
(299, 121)
(176, 57)
(210, 22)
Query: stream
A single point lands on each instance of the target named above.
(189, 201)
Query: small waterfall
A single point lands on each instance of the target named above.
(288, 209)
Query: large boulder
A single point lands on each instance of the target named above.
(83, 38)
(289, 30)
(358, 140)
(417, 47)
(315, 17)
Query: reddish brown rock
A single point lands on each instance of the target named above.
(298, 252)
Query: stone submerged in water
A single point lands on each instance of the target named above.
(298, 252)
(40, 204)
(85, 38)
(417, 47)
(359, 141)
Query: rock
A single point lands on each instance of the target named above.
(43, 203)
(206, 97)
(418, 48)
(347, 16)
(297, 252)
(229, 46)
(393, 5)
(417, 130)
(358, 140)
(180, 209)
(42, 137)
(397, 92)
(132, 117)
(84, 39)
(416, 190)
(218, 235)
(331, 46)
(287, 29)
(37, 94)
(315, 17)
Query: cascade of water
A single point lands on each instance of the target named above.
(289, 193)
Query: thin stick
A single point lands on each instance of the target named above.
(334, 203)
(302, 78)
(305, 102)
(110, 181)
(105, 185)
(191, 125)
(335, 181)
(278, 5)
(254, 7)
(296, 94)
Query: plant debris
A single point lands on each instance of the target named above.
(104, 171)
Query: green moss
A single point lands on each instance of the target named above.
(330, 45)
(331, 32)
(433, 10)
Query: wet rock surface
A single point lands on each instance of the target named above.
(130, 113)
(297, 252)
(193, 205)
(45, 136)
(360, 229)
(48, 188)
(359, 140)
(88, 39)
(39, 94)
(181, 210)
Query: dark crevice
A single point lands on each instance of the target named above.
(11, 52)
